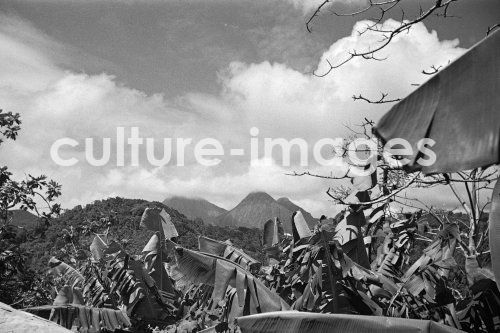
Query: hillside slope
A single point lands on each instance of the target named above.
(194, 208)
(122, 217)
(22, 218)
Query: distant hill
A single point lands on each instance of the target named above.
(122, 217)
(195, 207)
(22, 218)
(258, 207)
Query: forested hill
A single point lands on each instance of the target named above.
(77, 227)
(195, 208)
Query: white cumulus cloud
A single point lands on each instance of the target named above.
(55, 102)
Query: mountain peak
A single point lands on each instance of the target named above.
(254, 210)
(284, 200)
(258, 207)
(258, 196)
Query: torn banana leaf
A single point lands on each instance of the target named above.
(298, 322)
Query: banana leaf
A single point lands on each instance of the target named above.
(311, 267)
(423, 285)
(95, 292)
(439, 253)
(271, 239)
(127, 281)
(253, 295)
(476, 273)
(349, 234)
(300, 229)
(392, 253)
(68, 273)
(458, 108)
(88, 319)
(483, 312)
(227, 251)
(152, 255)
(210, 245)
(271, 236)
(97, 248)
(69, 295)
(137, 289)
(298, 322)
(68, 309)
(155, 219)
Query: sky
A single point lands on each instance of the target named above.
(204, 69)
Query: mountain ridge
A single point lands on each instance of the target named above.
(121, 217)
(257, 208)
(195, 207)
(252, 211)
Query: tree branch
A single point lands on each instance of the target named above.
(387, 34)
(382, 99)
(379, 199)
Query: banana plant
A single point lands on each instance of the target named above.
(233, 290)
(111, 280)
(69, 309)
(228, 251)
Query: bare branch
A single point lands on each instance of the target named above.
(445, 12)
(382, 99)
(493, 27)
(433, 70)
(387, 34)
(377, 200)
(315, 14)
(307, 173)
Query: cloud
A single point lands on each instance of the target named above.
(270, 94)
(264, 175)
(55, 102)
(307, 6)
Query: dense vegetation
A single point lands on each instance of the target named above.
(121, 218)
(75, 229)
(298, 278)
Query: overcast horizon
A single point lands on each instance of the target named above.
(211, 69)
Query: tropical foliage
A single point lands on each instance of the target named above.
(369, 260)
(21, 285)
(175, 288)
